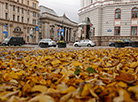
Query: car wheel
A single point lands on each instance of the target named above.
(3, 44)
(54, 45)
(89, 45)
(76, 45)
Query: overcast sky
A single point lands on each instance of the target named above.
(69, 7)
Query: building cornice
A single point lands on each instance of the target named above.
(88, 8)
(60, 22)
(121, 3)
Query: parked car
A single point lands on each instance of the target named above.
(49, 41)
(127, 42)
(86, 42)
(13, 41)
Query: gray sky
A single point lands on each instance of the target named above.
(69, 7)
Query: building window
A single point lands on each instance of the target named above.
(13, 17)
(17, 0)
(22, 19)
(13, 7)
(17, 18)
(34, 22)
(6, 6)
(28, 12)
(134, 13)
(27, 20)
(6, 15)
(22, 10)
(34, 14)
(28, 30)
(18, 9)
(27, 2)
(117, 14)
(22, 1)
(34, 5)
(117, 30)
(134, 30)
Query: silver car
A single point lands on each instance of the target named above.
(86, 42)
(49, 41)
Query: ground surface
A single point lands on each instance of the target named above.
(99, 74)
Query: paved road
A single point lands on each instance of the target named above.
(68, 46)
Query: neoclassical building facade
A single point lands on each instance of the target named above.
(51, 24)
(111, 19)
(19, 18)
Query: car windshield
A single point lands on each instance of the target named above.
(81, 41)
(127, 40)
(46, 40)
(7, 39)
(87, 40)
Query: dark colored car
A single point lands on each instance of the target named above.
(127, 42)
(13, 41)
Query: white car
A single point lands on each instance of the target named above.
(86, 42)
(49, 41)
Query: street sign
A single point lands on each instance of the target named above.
(5, 33)
(62, 34)
(62, 30)
(59, 33)
(37, 28)
(5, 25)
(109, 30)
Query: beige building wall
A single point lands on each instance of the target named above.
(51, 22)
(27, 14)
(102, 16)
(50, 25)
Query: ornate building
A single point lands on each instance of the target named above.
(111, 19)
(51, 23)
(19, 18)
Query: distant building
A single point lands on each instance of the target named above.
(111, 19)
(19, 18)
(51, 24)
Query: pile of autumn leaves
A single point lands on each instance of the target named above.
(69, 75)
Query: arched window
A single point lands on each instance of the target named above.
(117, 14)
(135, 12)
(17, 29)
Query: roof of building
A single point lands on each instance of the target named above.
(44, 9)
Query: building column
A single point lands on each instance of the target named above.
(70, 34)
(43, 30)
(64, 33)
(46, 32)
(55, 32)
(67, 34)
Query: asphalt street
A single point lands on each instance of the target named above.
(68, 46)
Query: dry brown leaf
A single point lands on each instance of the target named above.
(45, 98)
(39, 88)
(134, 64)
(65, 98)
